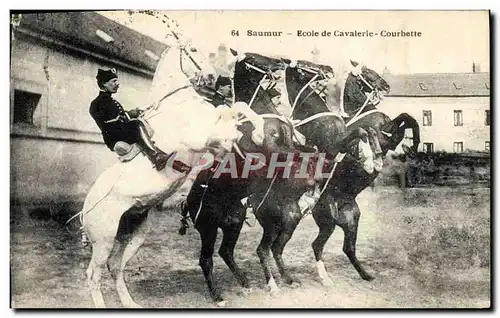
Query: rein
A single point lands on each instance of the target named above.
(338, 158)
(369, 98)
(302, 91)
(297, 135)
(315, 116)
(205, 186)
(170, 94)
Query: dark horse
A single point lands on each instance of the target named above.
(279, 213)
(337, 206)
(216, 201)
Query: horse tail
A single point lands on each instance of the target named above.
(409, 122)
(85, 211)
(413, 124)
(416, 131)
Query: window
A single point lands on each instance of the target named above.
(25, 104)
(458, 146)
(487, 145)
(487, 117)
(428, 147)
(458, 118)
(427, 121)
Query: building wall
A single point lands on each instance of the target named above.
(62, 154)
(51, 169)
(71, 85)
(443, 133)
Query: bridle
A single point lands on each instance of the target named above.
(373, 98)
(316, 74)
(267, 75)
(273, 81)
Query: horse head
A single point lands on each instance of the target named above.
(180, 66)
(254, 77)
(363, 86)
(306, 84)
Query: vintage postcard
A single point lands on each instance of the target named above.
(250, 159)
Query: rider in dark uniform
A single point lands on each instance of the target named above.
(116, 124)
(222, 91)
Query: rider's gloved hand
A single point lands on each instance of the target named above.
(134, 113)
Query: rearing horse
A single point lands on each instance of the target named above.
(215, 200)
(130, 189)
(361, 93)
(278, 211)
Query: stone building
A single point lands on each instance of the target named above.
(56, 148)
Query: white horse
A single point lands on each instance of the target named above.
(182, 123)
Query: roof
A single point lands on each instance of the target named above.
(80, 29)
(439, 84)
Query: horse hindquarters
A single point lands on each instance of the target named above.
(323, 214)
(348, 220)
(289, 225)
(208, 237)
(131, 235)
(231, 229)
(209, 211)
(279, 216)
(100, 226)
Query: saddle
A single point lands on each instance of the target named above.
(125, 151)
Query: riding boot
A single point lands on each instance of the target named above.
(155, 155)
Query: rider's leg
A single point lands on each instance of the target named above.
(155, 155)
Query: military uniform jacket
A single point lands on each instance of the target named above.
(111, 118)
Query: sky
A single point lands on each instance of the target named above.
(451, 41)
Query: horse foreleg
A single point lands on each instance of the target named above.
(289, 226)
(263, 250)
(226, 251)
(100, 252)
(350, 219)
(135, 241)
(323, 217)
(373, 136)
(208, 238)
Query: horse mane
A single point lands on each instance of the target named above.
(315, 66)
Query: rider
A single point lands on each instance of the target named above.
(222, 91)
(116, 124)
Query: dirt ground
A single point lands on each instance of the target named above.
(48, 263)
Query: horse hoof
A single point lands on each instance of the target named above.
(274, 291)
(295, 284)
(221, 303)
(245, 292)
(327, 282)
(368, 277)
